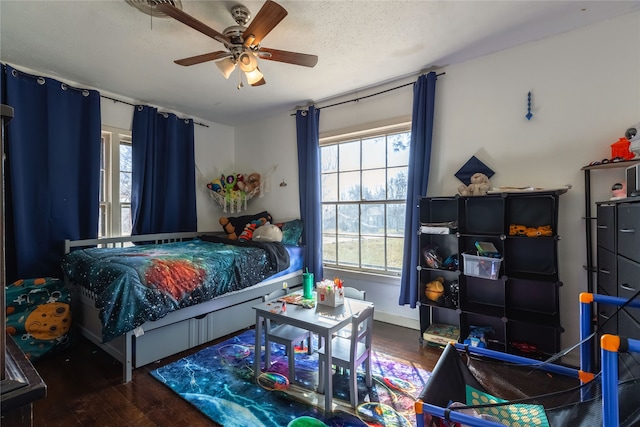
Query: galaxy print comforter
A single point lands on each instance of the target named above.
(141, 283)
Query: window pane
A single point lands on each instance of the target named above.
(125, 173)
(397, 183)
(395, 219)
(329, 158)
(398, 149)
(372, 220)
(395, 249)
(348, 251)
(373, 184)
(125, 157)
(103, 170)
(102, 221)
(329, 249)
(125, 187)
(373, 153)
(125, 218)
(329, 218)
(329, 183)
(349, 186)
(373, 251)
(349, 156)
(348, 219)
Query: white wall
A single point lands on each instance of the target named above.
(586, 93)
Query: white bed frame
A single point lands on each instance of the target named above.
(179, 330)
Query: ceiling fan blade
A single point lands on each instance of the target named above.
(267, 18)
(198, 59)
(289, 57)
(259, 82)
(192, 22)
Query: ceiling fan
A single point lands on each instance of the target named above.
(242, 43)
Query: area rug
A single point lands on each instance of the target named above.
(219, 381)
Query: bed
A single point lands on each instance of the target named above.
(142, 298)
(489, 388)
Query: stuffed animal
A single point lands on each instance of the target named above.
(229, 182)
(228, 228)
(267, 233)
(247, 233)
(478, 187)
(435, 289)
(251, 183)
(216, 185)
(234, 226)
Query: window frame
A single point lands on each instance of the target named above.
(112, 137)
(371, 130)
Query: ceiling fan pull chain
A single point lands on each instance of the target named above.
(240, 84)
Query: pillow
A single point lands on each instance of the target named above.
(291, 232)
(267, 233)
(233, 226)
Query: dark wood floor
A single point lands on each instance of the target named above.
(85, 385)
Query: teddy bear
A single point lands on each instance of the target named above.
(478, 187)
(251, 183)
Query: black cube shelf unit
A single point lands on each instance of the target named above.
(520, 303)
(618, 266)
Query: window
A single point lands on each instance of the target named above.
(115, 183)
(364, 189)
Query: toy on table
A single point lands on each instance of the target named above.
(330, 292)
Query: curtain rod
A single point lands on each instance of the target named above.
(4, 69)
(367, 96)
(133, 105)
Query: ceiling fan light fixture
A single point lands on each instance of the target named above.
(247, 62)
(226, 67)
(254, 76)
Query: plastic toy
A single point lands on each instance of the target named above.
(633, 136)
(523, 230)
(477, 337)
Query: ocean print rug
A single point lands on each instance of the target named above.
(219, 381)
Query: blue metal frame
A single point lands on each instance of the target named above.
(609, 348)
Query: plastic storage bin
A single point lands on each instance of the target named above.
(480, 266)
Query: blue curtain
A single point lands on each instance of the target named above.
(309, 180)
(424, 91)
(52, 170)
(163, 194)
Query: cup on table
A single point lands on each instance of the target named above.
(307, 285)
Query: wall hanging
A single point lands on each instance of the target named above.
(233, 191)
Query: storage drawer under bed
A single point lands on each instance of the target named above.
(186, 334)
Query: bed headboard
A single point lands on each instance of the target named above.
(120, 242)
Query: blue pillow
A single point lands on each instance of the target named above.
(291, 232)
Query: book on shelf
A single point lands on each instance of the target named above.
(441, 333)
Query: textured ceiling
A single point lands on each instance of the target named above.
(112, 46)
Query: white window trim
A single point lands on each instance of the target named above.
(363, 131)
(112, 163)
